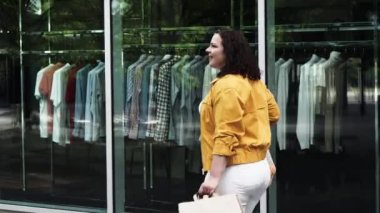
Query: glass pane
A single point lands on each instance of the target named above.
(248, 16)
(10, 121)
(54, 143)
(158, 102)
(10, 105)
(323, 75)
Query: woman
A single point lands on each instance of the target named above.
(235, 123)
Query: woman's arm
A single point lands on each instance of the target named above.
(218, 165)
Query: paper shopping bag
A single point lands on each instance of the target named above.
(216, 204)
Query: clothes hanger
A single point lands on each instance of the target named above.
(293, 53)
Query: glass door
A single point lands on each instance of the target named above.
(159, 68)
(322, 68)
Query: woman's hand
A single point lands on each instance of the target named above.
(272, 168)
(218, 165)
(208, 186)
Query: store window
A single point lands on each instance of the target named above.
(52, 103)
(160, 75)
(10, 168)
(322, 69)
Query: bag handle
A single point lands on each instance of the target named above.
(198, 196)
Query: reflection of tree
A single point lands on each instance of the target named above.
(8, 23)
(8, 15)
(77, 15)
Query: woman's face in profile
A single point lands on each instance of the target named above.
(215, 52)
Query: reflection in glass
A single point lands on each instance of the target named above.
(323, 79)
(52, 112)
(165, 76)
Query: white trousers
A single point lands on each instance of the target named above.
(248, 181)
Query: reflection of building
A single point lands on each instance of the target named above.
(149, 89)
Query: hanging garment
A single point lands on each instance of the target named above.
(277, 65)
(305, 112)
(134, 110)
(43, 102)
(331, 80)
(153, 87)
(144, 98)
(209, 75)
(313, 96)
(89, 107)
(196, 76)
(80, 100)
(128, 91)
(186, 124)
(70, 97)
(175, 115)
(163, 100)
(61, 134)
(354, 88)
(45, 88)
(97, 106)
(282, 99)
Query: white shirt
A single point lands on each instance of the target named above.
(277, 65)
(305, 112)
(282, 99)
(44, 115)
(61, 132)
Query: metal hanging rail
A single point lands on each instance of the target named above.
(57, 52)
(323, 27)
(171, 29)
(198, 29)
(317, 27)
(9, 52)
(179, 46)
(64, 33)
(326, 43)
(192, 45)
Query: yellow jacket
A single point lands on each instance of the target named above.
(235, 120)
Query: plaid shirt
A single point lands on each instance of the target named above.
(163, 100)
(152, 103)
(134, 115)
(129, 88)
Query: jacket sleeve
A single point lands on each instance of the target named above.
(273, 109)
(228, 111)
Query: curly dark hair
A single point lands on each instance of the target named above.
(239, 56)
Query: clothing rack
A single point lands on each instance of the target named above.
(71, 34)
(49, 140)
(326, 44)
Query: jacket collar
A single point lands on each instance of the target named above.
(214, 81)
